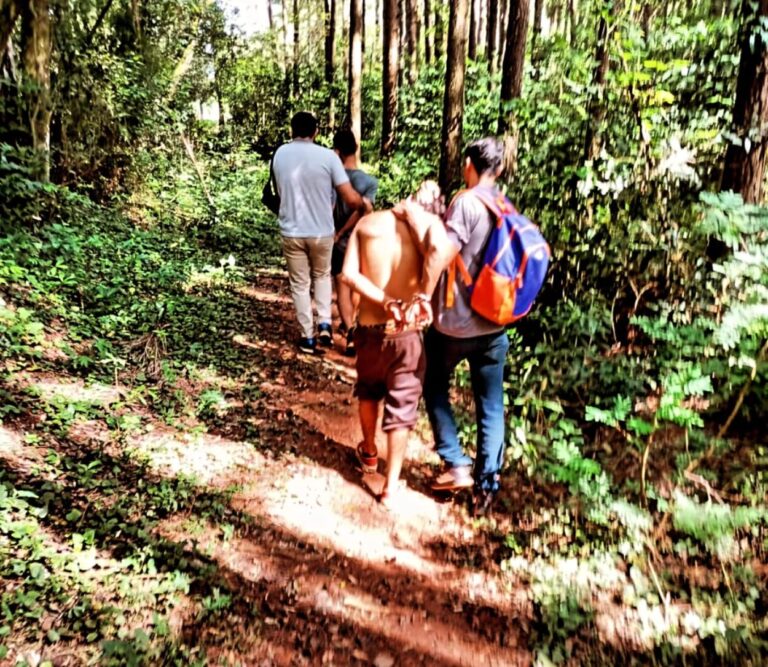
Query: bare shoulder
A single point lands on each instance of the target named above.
(378, 223)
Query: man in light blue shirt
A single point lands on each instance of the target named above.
(308, 177)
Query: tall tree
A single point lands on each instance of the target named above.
(474, 22)
(36, 56)
(453, 103)
(596, 108)
(503, 21)
(538, 11)
(413, 23)
(330, 57)
(295, 80)
(492, 34)
(429, 36)
(745, 160)
(270, 17)
(391, 58)
(439, 44)
(9, 12)
(512, 77)
(354, 98)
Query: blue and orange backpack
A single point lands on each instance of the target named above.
(514, 265)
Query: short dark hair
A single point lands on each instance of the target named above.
(344, 141)
(303, 124)
(486, 155)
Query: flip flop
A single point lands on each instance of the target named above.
(368, 462)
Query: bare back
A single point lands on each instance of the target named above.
(389, 258)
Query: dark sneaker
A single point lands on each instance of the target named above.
(309, 346)
(454, 479)
(350, 349)
(325, 334)
(482, 502)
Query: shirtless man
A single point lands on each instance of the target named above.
(383, 263)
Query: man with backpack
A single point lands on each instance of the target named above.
(480, 224)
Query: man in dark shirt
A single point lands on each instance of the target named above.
(345, 218)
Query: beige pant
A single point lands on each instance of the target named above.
(309, 258)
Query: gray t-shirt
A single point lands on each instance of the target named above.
(468, 225)
(307, 175)
(366, 185)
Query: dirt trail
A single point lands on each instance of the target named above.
(377, 573)
(335, 578)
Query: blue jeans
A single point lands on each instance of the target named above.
(487, 356)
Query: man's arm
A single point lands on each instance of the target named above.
(351, 275)
(352, 198)
(428, 231)
(349, 224)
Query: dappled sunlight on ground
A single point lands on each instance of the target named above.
(207, 458)
(52, 387)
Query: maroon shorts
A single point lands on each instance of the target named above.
(391, 367)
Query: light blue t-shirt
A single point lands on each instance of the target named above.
(307, 175)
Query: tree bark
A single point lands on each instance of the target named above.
(538, 11)
(502, 40)
(745, 161)
(36, 56)
(403, 36)
(596, 109)
(391, 58)
(512, 78)
(572, 20)
(491, 37)
(295, 80)
(413, 40)
(354, 109)
(270, 17)
(453, 104)
(9, 12)
(439, 30)
(330, 57)
(474, 20)
(428, 33)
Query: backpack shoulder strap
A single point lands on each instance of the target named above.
(499, 205)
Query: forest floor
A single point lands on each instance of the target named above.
(192, 498)
(320, 572)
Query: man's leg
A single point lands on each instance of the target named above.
(397, 443)
(344, 300)
(443, 354)
(486, 366)
(369, 416)
(320, 261)
(297, 259)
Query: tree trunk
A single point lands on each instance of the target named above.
(745, 161)
(538, 10)
(330, 57)
(428, 33)
(502, 40)
(354, 109)
(391, 57)
(474, 20)
(413, 40)
(362, 30)
(403, 45)
(512, 78)
(596, 108)
(9, 12)
(270, 17)
(491, 37)
(453, 105)
(572, 20)
(439, 30)
(295, 81)
(36, 55)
